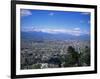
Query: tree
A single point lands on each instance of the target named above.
(85, 57)
(72, 57)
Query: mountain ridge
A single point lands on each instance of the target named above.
(47, 36)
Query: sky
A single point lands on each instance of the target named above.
(49, 21)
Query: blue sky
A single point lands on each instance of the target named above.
(74, 23)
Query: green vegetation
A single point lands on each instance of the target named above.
(72, 57)
(85, 56)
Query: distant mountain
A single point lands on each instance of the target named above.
(47, 36)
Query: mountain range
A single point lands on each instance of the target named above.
(48, 36)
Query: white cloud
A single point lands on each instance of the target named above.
(27, 29)
(85, 21)
(76, 28)
(74, 31)
(51, 14)
(85, 13)
(25, 12)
